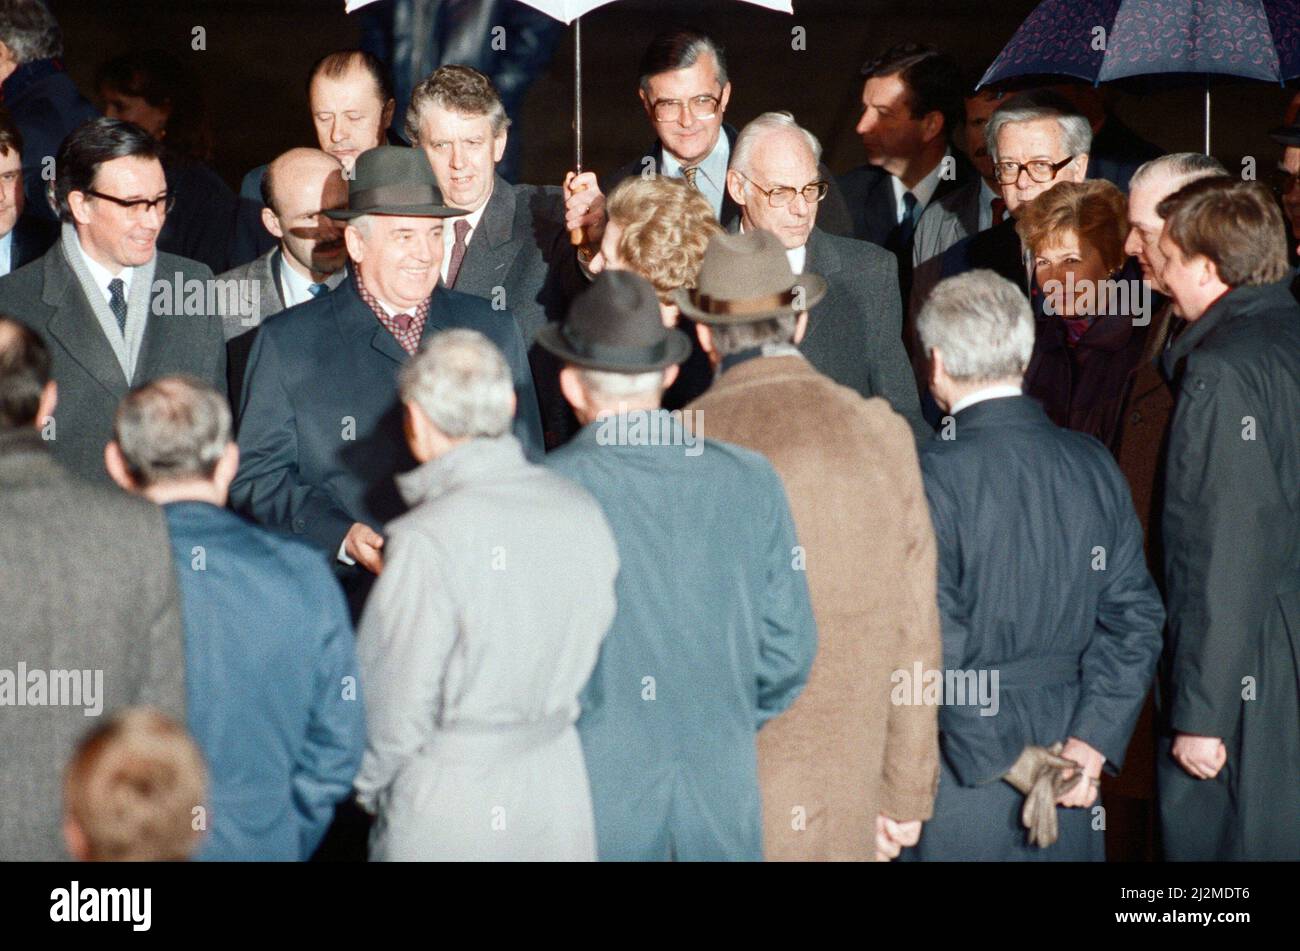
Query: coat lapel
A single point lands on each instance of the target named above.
(74, 325)
(486, 258)
(823, 260)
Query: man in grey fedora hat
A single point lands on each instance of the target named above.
(850, 470)
(320, 423)
(714, 634)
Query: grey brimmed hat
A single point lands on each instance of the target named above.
(615, 325)
(393, 180)
(746, 278)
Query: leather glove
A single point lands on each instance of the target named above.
(1039, 773)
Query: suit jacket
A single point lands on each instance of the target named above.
(86, 584)
(45, 105)
(713, 636)
(33, 236)
(998, 249)
(258, 285)
(833, 214)
(1042, 578)
(855, 334)
(268, 648)
(320, 424)
(47, 296)
(946, 221)
(873, 208)
(843, 752)
(1232, 570)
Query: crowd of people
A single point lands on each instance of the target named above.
(716, 508)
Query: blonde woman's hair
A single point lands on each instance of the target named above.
(666, 226)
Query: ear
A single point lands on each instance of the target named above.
(800, 327)
(1209, 271)
(499, 145)
(724, 98)
(705, 335)
(936, 368)
(670, 375)
(45, 408)
(75, 839)
(356, 245)
(645, 104)
(1081, 162)
(932, 125)
(271, 223)
(227, 467)
(573, 391)
(115, 463)
(77, 205)
(386, 119)
(736, 186)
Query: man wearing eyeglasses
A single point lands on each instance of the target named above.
(854, 334)
(684, 90)
(1037, 140)
(116, 311)
(1286, 184)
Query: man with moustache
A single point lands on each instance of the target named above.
(320, 428)
(854, 333)
(684, 91)
(351, 107)
(111, 306)
(308, 260)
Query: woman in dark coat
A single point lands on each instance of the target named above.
(154, 90)
(1097, 313)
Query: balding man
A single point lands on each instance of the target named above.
(855, 333)
(308, 260)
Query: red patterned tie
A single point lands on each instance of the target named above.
(999, 211)
(457, 252)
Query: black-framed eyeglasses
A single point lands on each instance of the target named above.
(670, 110)
(782, 195)
(139, 205)
(1008, 173)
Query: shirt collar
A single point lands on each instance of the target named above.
(923, 190)
(297, 287)
(1000, 391)
(103, 276)
(713, 166)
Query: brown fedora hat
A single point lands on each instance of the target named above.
(745, 278)
(394, 180)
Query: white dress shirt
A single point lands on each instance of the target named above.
(103, 276)
(295, 287)
(711, 177)
(449, 235)
(6, 252)
(923, 190)
(1000, 391)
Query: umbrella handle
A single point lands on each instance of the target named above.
(577, 236)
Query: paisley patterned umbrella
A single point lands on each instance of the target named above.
(1103, 40)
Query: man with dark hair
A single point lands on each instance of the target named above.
(85, 577)
(684, 90)
(1230, 703)
(24, 236)
(38, 93)
(911, 107)
(320, 425)
(352, 108)
(116, 311)
(308, 259)
(267, 664)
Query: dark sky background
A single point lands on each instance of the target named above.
(258, 53)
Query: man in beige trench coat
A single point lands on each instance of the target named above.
(845, 773)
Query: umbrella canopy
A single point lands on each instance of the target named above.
(1102, 40)
(566, 11)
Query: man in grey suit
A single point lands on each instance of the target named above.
(855, 332)
(115, 311)
(89, 613)
(309, 258)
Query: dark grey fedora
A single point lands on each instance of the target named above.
(393, 180)
(615, 325)
(746, 278)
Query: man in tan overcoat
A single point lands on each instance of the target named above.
(845, 773)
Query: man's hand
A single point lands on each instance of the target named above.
(362, 545)
(892, 837)
(1201, 756)
(1084, 792)
(584, 206)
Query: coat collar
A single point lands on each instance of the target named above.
(25, 458)
(498, 219)
(1237, 303)
(1001, 412)
(479, 460)
(357, 321)
(823, 257)
(763, 370)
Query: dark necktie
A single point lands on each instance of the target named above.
(117, 302)
(689, 174)
(457, 252)
(999, 210)
(316, 290)
(900, 241)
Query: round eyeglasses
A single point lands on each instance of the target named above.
(782, 195)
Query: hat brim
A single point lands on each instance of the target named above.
(402, 211)
(814, 286)
(550, 339)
